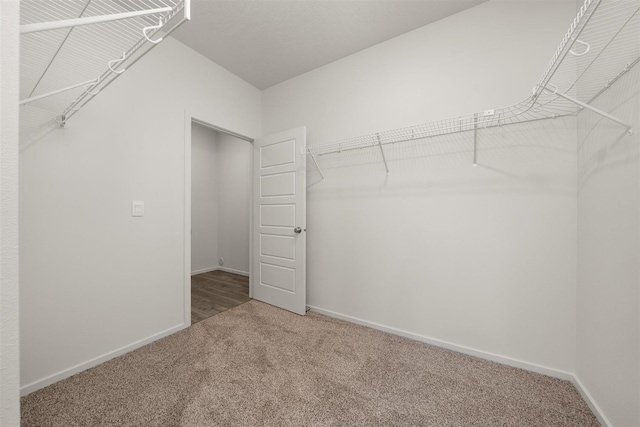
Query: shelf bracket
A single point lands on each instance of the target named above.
(313, 159)
(475, 140)
(66, 23)
(591, 108)
(55, 92)
(384, 158)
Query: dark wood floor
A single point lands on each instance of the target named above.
(216, 291)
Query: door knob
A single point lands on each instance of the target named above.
(297, 230)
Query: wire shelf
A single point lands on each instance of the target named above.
(88, 57)
(602, 43)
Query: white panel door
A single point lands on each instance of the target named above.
(279, 220)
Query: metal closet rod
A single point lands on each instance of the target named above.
(54, 25)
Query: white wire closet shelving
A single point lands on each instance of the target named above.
(601, 44)
(71, 50)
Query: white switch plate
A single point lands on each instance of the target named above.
(137, 208)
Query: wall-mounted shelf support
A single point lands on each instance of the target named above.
(313, 158)
(384, 158)
(54, 25)
(475, 141)
(55, 92)
(591, 108)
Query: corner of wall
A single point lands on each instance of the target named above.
(9, 303)
(595, 408)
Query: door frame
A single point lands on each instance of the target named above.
(189, 117)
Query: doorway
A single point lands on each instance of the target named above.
(220, 221)
(277, 217)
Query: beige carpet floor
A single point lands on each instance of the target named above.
(256, 365)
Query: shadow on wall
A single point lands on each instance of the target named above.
(526, 157)
(604, 145)
(35, 124)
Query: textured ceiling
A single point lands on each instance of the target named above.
(268, 42)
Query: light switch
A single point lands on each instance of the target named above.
(137, 208)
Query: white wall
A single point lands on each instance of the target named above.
(234, 167)
(204, 199)
(483, 258)
(608, 334)
(9, 338)
(94, 280)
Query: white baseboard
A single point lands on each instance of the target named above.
(597, 411)
(204, 270)
(220, 268)
(539, 369)
(231, 270)
(37, 385)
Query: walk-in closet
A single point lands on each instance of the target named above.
(338, 213)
